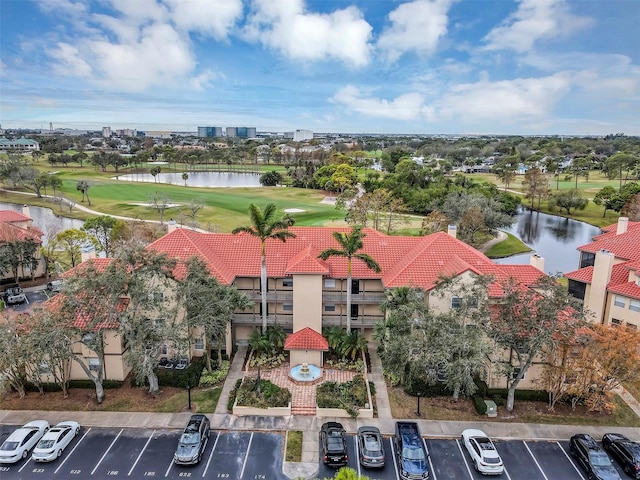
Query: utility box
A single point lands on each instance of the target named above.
(492, 408)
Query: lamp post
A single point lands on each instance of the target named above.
(189, 395)
(418, 411)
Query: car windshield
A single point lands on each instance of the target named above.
(190, 438)
(45, 444)
(412, 453)
(9, 446)
(491, 459)
(600, 460)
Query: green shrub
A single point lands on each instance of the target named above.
(522, 395)
(350, 396)
(483, 388)
(480, 406)
(271, 395)
(208, 379)
(269, 360)
(232, 395)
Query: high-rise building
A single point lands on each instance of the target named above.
(302, 135)
(106, 132)
(215, 132)
(241, 132)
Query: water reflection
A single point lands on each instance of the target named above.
(198, 179)
(554, 238)
(45, 219)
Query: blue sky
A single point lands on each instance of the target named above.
(375, 66)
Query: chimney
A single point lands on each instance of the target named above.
(87, 252)
(171, 225)
(623, 224)
(596, 297)
(537, 261)
(25, 211)
(452, 231)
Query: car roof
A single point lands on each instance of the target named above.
(20, 433)
(332, 426)
(368, 429)
(474, 432)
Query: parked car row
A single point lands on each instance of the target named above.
(412, 454)
(47, 443)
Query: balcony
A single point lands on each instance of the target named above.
(362, 321)
(362, 297)
(272, 295)
(256, 320)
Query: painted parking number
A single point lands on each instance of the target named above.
(38, 470)
(260, 476)
(75, 472)
(223, 475)
(112, 472)
(149, 474)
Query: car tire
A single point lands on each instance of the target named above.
(475, 466)
(24, 454)
(59, 453)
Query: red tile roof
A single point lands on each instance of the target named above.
(12, 233)
(99, 264)
(583, 275)
(620, 284)
(306, 339)
(417, 261)
(625, 246)
(13, 216)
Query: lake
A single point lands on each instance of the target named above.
(556, 239)
(198, 179)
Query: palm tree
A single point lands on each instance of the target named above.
(350, 243)
(264, 226)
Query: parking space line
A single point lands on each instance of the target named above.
(393, 457)
(571, 461)
(66, 457)
(464, 458)
(535, 460)
(105, 453)
(355, 443)
(246, 456)
(141, 452)
(206, 467)
(426, 449)
(166, 474)
(24, 465)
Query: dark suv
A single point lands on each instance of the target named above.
(411, 451)
(624, 451)
(592, 458)
(193, 441)
(333, 441)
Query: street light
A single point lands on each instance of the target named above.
(189, 395)
(418, 411)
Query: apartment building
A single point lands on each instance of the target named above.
(608, 280)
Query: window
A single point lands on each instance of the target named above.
(94, 364)
(632, 326)
(634, 305)
(456, 302)
(44, 368)
(472, 302)
(287, 307)
(616, 322)
(618, 301)
(587, 259)
(287, 282)
(199, 343)
(515, 372)
(156, 297)
(329, 308)
(329, 283)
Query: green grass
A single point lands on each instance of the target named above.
(508, 247)
(203, 401)
(294, 446)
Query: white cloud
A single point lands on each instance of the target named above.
(69, 61)
(283, 25)
(535, 20)
(204, 80)
(417, 25)
(211, 17)
(405, 107)
(506, 100)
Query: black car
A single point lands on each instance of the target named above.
(624, 451)
(370, 447)
(592, 458)
(333, 441)
(193, 441)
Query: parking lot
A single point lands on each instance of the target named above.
(34, 297)
(103, 453)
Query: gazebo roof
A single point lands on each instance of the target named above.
(306, 339)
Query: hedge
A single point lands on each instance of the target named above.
(176, 378)
(82, 384)
(480, 406)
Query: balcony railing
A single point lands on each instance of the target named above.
(361, 321)
(272, 296)
(362, 297)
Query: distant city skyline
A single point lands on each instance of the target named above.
(504, 67)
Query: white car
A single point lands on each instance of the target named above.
(18, 444)
(484, 455)
(55, 441)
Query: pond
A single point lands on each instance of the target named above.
(553, 238)
(45, 219)
(198, 179)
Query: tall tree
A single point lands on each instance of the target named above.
(101, 228)
(536, 184)
(159, 202)
(525, 322)
(83, 187)
(209, 305)
(264, 226)
(71, 241)
(350, 244)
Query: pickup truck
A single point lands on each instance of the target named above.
(14, 295)
(411, 451)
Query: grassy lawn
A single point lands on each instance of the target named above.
(506, 248)
(294, 446)
(203, 401)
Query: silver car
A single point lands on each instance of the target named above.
(193, 441)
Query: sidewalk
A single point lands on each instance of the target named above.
(310, 425)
